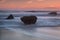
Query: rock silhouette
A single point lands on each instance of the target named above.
(53, 13)
(10, 17)
(29, 19)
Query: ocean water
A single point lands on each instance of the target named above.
(43, 19)
(47, 26)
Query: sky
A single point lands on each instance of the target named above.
(29, 4)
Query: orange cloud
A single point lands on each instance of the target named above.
(29, 4)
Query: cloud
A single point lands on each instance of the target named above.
(17, 0)
(0, 0)
(29, 1)
(13, 1)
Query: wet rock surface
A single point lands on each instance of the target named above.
(53, 13)
(10, 17)
(29, 19)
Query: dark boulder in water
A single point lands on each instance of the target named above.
(10, 17)
(53, 13)
(29, 19)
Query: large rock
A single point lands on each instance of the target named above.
(29, 19)
(53, 13)
(10, 17)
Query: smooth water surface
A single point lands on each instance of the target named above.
(46, 28)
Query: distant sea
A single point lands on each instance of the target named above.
(44, 19)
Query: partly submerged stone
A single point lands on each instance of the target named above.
(53, 13)
(10, 17)
(29, 19)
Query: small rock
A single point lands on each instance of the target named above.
(29, 19)
(10, 17)
(53, 13)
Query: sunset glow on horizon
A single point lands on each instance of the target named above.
(29, 4)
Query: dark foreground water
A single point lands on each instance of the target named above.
(47, 27)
